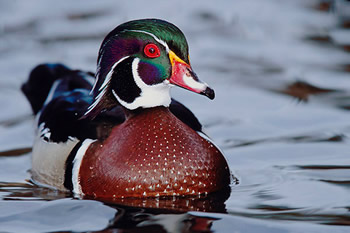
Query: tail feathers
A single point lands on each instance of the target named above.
(42, 78)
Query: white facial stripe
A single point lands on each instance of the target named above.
(162, 42)
(103, 88)
(76, 165)
(97, 75)
(151, 95)
(109, 75)
(189, 81)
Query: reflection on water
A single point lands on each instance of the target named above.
(214, 202)
(210, 203)
(281, 73)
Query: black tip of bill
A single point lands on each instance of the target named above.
(208, 92)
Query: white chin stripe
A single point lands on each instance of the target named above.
(76, 166)
(151, 95)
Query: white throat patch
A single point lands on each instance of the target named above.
(150, 96)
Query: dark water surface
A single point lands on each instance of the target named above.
(280, 70)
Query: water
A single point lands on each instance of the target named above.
(280, 70)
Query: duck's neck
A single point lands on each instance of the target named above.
(139, 111)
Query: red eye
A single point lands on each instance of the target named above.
(151, 50)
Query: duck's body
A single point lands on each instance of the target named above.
(128, 139)
(168, 158)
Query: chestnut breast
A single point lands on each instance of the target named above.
(152, 154)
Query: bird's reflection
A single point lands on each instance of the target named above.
(145, 220)
(214, 202)
(166, 214)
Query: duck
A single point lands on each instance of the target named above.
(118, 133)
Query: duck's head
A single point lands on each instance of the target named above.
(138, 62)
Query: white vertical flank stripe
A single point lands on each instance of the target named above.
(76, 165)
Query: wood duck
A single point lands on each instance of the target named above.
(118, 133)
